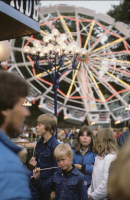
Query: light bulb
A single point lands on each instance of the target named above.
(63, 36)
(83, 51)
(63, 46)
(50, 48)
(46, 39)
(70, 49)
(50, 37)
(41, 54)
(26, 49)
(39, 48)
(59, 40)
(77, 50)
(33, 51)
(57, 49)
(55, 32)
(36, 43)
(45, 50)
(74, 44)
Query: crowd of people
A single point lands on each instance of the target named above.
(95, 168)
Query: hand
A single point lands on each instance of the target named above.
(32, 163)
(88, 197)
(36, 173)
(78, 166)
(53, 194)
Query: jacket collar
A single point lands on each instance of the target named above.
(49, 142)
(7, 142)
(74, 171)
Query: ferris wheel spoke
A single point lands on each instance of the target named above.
(89, 34)
(69, 91)
(78, 30)
(112, 60)
(122, 82)
(110, 88)
(64, 25)
(109, 44)
(117, 69)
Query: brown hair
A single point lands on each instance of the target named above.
(49, 121)
(105, 142)
(89, 133)
(12, 88)
(118, 186)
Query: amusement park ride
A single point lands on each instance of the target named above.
(100, 88)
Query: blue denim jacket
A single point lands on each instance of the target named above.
(87, 162)
(72, 187)
(44, 156)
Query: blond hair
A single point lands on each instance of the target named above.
(49, 121)
(63, 150)
(105, 142)
(119, 175)
(23, 155)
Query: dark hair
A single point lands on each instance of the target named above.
(89, 133)
(12, 88)
(105, 142)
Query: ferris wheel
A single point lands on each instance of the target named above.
(100, 88)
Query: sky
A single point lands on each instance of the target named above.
(98, 6)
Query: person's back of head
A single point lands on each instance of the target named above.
(49, 121)
(23, 155)
(105, 142)
(119, 175)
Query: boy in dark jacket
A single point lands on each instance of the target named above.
(68, 181)
(45, 147)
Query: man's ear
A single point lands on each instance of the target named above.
(5, 112)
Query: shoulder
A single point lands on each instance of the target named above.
(110, 157)
(54, 142)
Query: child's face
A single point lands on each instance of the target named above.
(65, 163)
(84, 139)
(41, 129)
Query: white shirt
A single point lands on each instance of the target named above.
(98, 188)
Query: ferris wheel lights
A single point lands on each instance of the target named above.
(33, 51)
(26, 49)
(83, 51)
(36, 43)
(55, 32)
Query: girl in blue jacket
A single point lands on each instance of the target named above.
(83, 155)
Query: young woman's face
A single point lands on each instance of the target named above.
(84, 139)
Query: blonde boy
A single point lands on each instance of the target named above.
(68, 181)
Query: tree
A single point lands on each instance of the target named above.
(121, 12)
